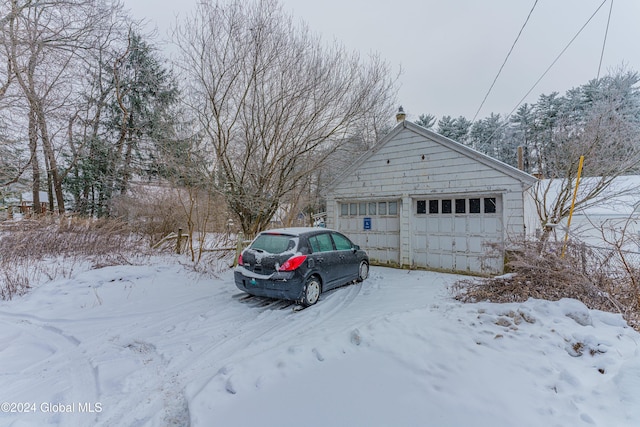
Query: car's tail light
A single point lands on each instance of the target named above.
(240, 259)
(293, 263)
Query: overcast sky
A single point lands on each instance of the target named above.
(450, 51)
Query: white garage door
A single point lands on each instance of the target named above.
(463, 234)
(375, 226)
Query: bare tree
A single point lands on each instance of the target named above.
(621, 258)
(607, 135)
(44, 42)
(273, 100)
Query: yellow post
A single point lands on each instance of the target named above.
(573, 203)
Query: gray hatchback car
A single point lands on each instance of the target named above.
(299, 264)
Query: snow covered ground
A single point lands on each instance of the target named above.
(160, 345)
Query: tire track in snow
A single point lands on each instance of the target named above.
(160, 371)
(269, 330)
(172, 352)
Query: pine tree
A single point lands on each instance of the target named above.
(131, 129)
(456, 129)
(426, 121)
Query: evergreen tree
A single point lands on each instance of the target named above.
(521, 131)
(131, 129)
(461, 128)
(456, 129)
(544, 129)
(487, 136)
(426, 121)
(546, 116)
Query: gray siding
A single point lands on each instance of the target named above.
(441, 171)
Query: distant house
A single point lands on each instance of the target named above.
(23, 203)
(418, 199)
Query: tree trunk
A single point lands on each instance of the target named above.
(35, 167)
(51, 163)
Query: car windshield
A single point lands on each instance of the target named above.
(274, 243)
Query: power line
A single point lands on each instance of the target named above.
(548, 68)
(557, 58)
(505, 60)
(604, 42)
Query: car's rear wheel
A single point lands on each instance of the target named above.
(312, 291)
(363, 271)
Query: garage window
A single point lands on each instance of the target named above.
(446, 206)
(393, 208)
(477, 205)
(364, 208)
(490, 205)
(474, 205)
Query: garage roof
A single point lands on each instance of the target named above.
(509, 170)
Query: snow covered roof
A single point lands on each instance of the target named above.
(28, 196)
(621, 197)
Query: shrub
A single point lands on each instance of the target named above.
(594, 276)
(51, 247)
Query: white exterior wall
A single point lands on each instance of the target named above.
(410, 166)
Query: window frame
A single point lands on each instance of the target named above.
(446, 206)
(475, 205)
(395, 209)
(382, 208)
(493, 201)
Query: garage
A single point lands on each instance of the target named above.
(458, 233)
(374, 225)
(421, 200)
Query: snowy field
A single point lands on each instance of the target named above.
(160, 345)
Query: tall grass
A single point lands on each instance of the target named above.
(35, 250)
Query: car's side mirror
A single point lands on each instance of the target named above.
(355, 248)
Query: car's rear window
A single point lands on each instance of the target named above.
(274, 243)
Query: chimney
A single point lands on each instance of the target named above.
(400, 115)
(520, 158)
